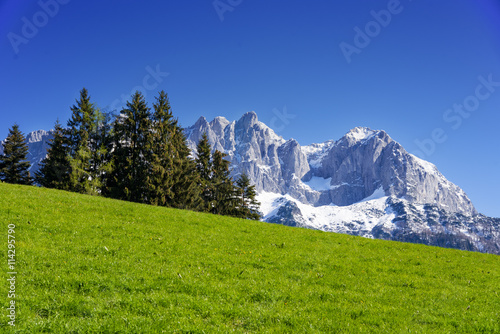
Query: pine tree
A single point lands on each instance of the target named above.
(80, 126)
(161, 174)
(172, 179)
(14, 168)
(187, 193)
(80, 123)
(101, 146)
(248, 207)
(204, 169)
(55, 168)
(132, 151)
(217, 187)
(224, 195)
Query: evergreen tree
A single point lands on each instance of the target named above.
(55, 168)
(248, 207)
(14, 168)
(80, 123)
(132, 150)
(161, 174)
(204, 169)
(217, 188)
(224, 195)
(101, 146)
(187, 194)
(103, 153)
(172, 180)
(83, 178)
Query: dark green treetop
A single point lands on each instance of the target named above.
(14, 168)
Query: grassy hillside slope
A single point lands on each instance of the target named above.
(88, 264)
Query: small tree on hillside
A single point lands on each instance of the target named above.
(224, 194)
(217, 187)
(248, 207)
(204, 169)
(55, 168)
(14, 168)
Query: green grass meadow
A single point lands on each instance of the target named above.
(94, 265)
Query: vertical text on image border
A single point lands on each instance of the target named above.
(11, 255)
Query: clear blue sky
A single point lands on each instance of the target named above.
(264, 55)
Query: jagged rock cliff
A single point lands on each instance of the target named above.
(347, 171)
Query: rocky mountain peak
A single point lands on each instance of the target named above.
(219, 123)
(247, 120)
(201, 122)
(36, 136)
(359, 135)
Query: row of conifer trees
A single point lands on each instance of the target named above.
(141, 155)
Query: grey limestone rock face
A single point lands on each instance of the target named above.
(251, 147)
(357, 165)
(364, 160)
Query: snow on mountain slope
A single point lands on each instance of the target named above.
(365, 184)
(389, 218)
(364, 160)
(359, 218)
(319, 184)
(359, 134)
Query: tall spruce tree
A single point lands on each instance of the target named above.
(14, 168)
(248, 206)
(161, 173)
(55, 168)
(132, 151)
(204, 169)
(217, 188)
(101, 146)
(81, 126)
(224, 195)
(187, 194)
(172, 179)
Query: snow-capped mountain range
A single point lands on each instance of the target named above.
(363, 184)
